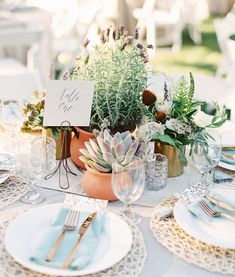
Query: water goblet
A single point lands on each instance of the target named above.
(42, 160)
(11, 115)
(128, 182)
(206, 152)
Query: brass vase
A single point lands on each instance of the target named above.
(175, 165)
(48, 133)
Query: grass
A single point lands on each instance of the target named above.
(203, 58)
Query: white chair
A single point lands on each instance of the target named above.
(20, 86)
(172, 17)
(224, 28)
(16, 79)
(153, 19)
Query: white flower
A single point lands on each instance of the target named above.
(163, 105)
(178, 126)
(202, 119)
(148, 130)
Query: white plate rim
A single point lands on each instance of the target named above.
(202, 236)
(61, 272)
(227, 166)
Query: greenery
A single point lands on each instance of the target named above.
(118, 65)
(179, 117)
(203, 58)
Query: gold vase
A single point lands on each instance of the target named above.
(48, 133)
(175, 165)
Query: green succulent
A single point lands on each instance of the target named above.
(100, 153)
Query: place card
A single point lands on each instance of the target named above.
(68, 101)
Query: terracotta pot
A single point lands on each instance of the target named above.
(78, 143)
(97, 184)
(48, 133)
(175, 165)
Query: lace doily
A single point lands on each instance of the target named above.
(193, 251)
(130, 266)
(11, 190)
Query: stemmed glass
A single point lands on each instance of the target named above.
(128, 182)
(11, 116)
(41, 160)
(206, 152)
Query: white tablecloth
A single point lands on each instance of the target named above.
(160, 262)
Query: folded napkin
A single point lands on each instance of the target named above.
(86, 248)
(225, 227)
(221, 195)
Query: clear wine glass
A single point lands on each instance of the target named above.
(206, 152)
(41, 161)
(11, 115)
(128, 182)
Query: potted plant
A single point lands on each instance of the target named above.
(118, 65)
(34, 113)
(178, 118)
(98, 157)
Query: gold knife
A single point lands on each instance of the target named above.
(82, 230)
(220, 203)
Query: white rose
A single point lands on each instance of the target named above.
(202, 119)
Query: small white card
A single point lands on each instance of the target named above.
(68, 101)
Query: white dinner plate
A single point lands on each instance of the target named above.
(202, 231)
(227, 166)
(114, 244)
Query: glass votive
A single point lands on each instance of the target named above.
(156, 172)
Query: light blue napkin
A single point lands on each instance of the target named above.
(86, 247)
(222, 198)
(226, 159)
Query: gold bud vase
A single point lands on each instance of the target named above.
(48, 133)
(175, 165)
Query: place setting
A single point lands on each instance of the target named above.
(199, 221)
(78, 237)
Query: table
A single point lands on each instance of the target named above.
(160, 262)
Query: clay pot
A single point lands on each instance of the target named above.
(97, 184)
(175, 165)
(78, 143)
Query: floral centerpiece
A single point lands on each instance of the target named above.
(177, 116)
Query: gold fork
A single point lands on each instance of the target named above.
(211, 212)
(69, 225)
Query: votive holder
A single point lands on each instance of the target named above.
(156, 172)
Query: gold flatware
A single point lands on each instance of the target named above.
(82, 230)
(69, 225)
(211, 212)
(3, 171)
(220, 203)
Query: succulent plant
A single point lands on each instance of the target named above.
(105, 149)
